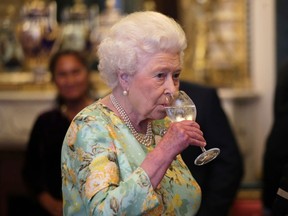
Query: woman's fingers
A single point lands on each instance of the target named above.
(187, 132)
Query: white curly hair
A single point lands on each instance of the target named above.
(137, 35)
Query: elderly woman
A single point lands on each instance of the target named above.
(116, 158)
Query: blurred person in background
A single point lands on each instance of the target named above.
(221, 178)
(280, 204)
(42, 168)
(276, 149)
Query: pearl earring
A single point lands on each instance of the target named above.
(125, 93)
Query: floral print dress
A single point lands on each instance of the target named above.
(101, 173)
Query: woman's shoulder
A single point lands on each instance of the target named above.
(50, 114)
(96, 111)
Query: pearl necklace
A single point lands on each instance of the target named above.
(146, 139)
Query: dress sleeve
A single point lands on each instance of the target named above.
(92, 173)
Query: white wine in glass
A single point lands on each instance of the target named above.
(183, 108)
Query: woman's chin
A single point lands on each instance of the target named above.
(161, 115)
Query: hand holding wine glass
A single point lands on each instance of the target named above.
(183, 108)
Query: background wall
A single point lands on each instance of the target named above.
(263, 73)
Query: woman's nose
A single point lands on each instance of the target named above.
(171, 87)
(171, 90)
(169, 97)
(70, 79)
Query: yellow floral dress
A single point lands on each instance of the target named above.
(101, 173)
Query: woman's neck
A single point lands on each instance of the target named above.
(138, 123)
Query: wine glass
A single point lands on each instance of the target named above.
(183, 108)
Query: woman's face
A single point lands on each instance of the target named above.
(71, 78)
(157, 75)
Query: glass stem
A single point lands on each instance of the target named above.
(203, 149)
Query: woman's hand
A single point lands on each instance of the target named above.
(180, 135)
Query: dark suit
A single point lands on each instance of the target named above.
(220, 179)
(276, 149)
(280, 203)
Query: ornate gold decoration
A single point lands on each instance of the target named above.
(217, 52)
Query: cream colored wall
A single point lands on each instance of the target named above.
(263, 69)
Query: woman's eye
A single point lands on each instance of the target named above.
(160, 75)
(60, 74)
(176, 76)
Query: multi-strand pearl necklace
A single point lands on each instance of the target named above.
(146, 139)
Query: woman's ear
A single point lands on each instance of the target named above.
(124, 80)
